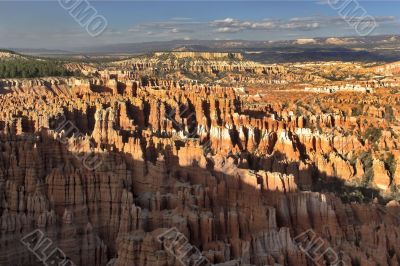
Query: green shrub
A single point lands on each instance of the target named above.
(366, 159)
(390, 164)
(373, 134)
(30, 68)
(389, 113)
(357, 110)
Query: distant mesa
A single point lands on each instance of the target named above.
(204, 55)
(305, 41)
(6, 54)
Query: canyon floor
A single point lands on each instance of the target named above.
(189, 158)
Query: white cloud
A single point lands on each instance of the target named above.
(181, 18)
(232, 25)
(228, 30)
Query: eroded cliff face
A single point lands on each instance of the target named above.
(205, 67)
(104, 167)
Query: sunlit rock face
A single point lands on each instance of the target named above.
(105, 167)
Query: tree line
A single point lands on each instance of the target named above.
(30, 68)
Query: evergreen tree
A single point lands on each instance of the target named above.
(31, 68)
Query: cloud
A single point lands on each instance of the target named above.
(228, 30)
(181, 19)
(384, 19)
(177, 26)
(134, 29)
(232, 25)
(180, 27)
(378, 19)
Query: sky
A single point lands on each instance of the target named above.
(46, 24)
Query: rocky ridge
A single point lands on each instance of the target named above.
(105, 166)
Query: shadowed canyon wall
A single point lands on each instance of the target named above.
(105, 169)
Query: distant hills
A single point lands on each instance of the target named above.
(385, 48)
(204, 45)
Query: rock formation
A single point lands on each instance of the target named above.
(129, 171)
